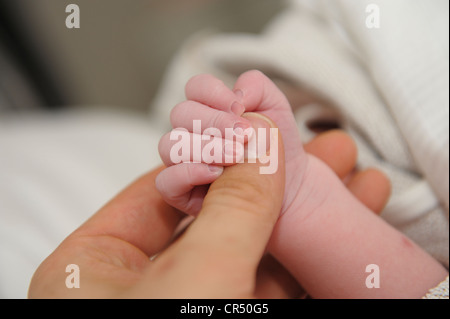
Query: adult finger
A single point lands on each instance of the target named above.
(118, 240)
(273, 281)
(372, 188)
(237, 218)
(336, 149)
(138, 215)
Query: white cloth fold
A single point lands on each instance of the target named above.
(388, 87)
(56, 170)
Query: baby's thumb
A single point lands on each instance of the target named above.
(243, 205)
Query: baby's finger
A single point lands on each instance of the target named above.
(181, 146)
(176, 184)
(372, 188)
(260, 94)
(197, 117)
(209, 90)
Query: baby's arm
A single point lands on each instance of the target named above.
(325, 237)
(331, 243)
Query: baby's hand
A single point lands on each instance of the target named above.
(185, 184)
(208, 134)
(324, 237)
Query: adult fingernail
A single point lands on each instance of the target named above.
(260, 142)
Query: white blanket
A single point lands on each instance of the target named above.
(56, 170)
(388, 87)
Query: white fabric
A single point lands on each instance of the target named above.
(55, 172)
(389, 87)
(439, 292)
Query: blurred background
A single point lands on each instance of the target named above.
(116, 58)
(75, 105)
(76, 124)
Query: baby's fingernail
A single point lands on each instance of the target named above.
(215, 169)
(233, 152)
(237, 108)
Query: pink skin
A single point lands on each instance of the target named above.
(325, 237)
(188, 191)
(202, 91)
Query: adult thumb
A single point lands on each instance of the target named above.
(243, 205)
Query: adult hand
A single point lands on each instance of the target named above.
(217, 257)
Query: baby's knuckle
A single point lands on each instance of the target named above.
(190, 172)
(179, 111)
(162, 145)
(175, 111)
(218, 120)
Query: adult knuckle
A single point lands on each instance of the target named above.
(244, 193)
